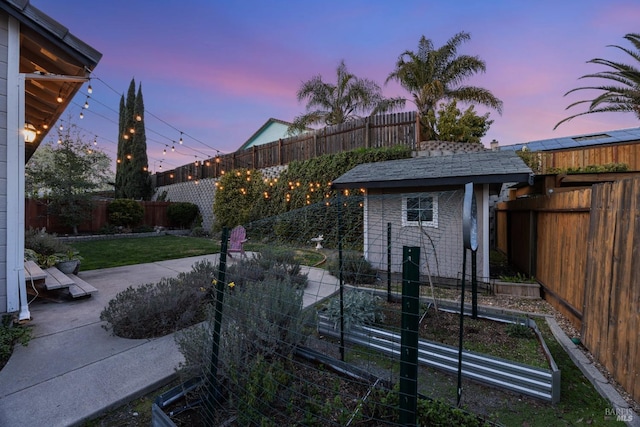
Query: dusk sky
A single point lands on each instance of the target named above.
(218, 70)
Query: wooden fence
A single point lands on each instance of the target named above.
(583, 247)
(37, 216)
(611, 319)
(627, 153)
(375, 131)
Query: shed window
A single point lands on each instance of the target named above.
(420, 210)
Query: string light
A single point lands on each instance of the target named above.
(173, 148)
(61, 127)
(137, 117)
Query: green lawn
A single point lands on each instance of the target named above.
(118, 252)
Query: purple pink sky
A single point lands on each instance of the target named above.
(218, 70)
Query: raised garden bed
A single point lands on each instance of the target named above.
(516, 289)
(535, 381)
(322, 391)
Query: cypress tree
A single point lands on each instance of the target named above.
(140, 179)
(132, 175)
(119, 190)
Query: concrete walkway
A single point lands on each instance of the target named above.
(73, 369)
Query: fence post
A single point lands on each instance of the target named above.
(388, 262)
(409, 335)
(367, 142)
(341, 281)
(212, 380)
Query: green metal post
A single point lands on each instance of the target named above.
(341, 280)
(409, 335)
(464, 276)
(212, 379)
(388, 262)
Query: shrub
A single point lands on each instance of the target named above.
(383, 404)
(43, 243)
(10, 334)
(108, 229)
(157, 309)
(143, 229)
(360, 308)
(355, 269)
(519, 330)
(125, 213)
(199, 232)
(268, 265)
(182, 214)
(262, 319)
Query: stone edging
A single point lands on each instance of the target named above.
(600, 383)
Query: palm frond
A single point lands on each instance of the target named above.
(623, 98)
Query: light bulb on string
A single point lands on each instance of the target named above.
(61, 127)
(89, 89)
(173, 148)
(95, 140)
(180, 138)
(81, 115)
(86, 103)
(164, 152)
(138, 118)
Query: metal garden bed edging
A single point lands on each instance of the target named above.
(520, 378)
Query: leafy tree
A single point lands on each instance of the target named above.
(66, 174)
(621, 91)
(432, 75)
(349, 98)
(132, 175)
(457, 126)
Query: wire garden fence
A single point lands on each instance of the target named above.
(275, 348)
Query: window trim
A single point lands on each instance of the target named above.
(433, 223)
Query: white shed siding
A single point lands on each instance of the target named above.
(441, 248)
(4, 37)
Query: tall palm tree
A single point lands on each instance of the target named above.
(433, 75)
(623, 94)
(350, 98)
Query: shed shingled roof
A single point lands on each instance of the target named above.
(486, 167)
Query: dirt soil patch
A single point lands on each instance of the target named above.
(499, 339)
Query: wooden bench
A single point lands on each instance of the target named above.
(33, 272)
(56, 279)
(80, 288)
